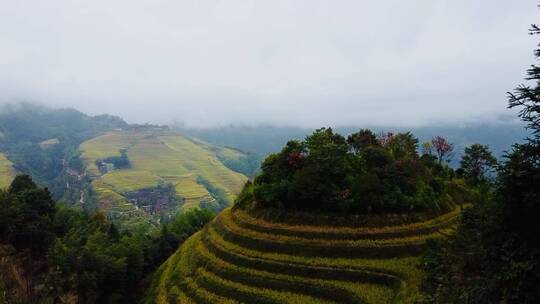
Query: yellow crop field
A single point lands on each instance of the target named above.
(160, 158)
(193, 193)
(6, 171)
(130, 180)
(49, 143)
(105, 146)
(238, 258)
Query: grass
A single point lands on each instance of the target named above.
(160, 158)
(7, 173)
(243, 259)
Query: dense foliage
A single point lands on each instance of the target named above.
(495, 255)
(364, 173)
(119, 162)
(52, 254)
(477, 164)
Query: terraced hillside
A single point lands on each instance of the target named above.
(240, 258)
(6, 171)
(169, 162)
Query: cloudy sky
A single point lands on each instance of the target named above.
(294, 62)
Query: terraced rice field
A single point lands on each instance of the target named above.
(158, 158)
(6, 171)
(241, 259)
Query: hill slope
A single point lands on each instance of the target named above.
(43, 142)
(239, 258)
(6, 171)
(164, 169)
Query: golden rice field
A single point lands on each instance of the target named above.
(159, 158)
(6, 171)
(238, 258)
(49, 143)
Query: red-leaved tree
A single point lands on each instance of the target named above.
(443, 148)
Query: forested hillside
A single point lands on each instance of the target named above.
(43, 142)
(50, 253)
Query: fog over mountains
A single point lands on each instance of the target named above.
(302, 63)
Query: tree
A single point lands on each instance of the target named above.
(22, 183)
(494, 257)
(404, 145)
(427, 148)
(362, 139)
(527, 98)
(521, 174)
(476, 162)
(443, 148)
(363, 174)
(385, 139)
(26, 213)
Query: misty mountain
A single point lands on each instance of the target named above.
(42, 142)
(264, 139)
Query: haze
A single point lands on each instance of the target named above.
(303, 62)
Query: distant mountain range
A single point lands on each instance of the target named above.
(265, 139)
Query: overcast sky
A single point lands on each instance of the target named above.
(294, 62)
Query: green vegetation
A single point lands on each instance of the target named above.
(44, 143)
(53, 254)
(328, 220)
(495, 255)
(262, 140)
(363, 174)
(6, 171)
(150, 158)
(239, 258)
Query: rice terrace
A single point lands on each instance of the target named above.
(153, 158)
(270, 152)
(240, 258)
(6, 171)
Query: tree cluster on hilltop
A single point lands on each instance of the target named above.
(364, 173)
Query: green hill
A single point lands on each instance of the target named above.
(155, 169)
(6, 171)
(328, 220)
(241, 258)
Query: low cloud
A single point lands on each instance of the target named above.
(304, 62)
